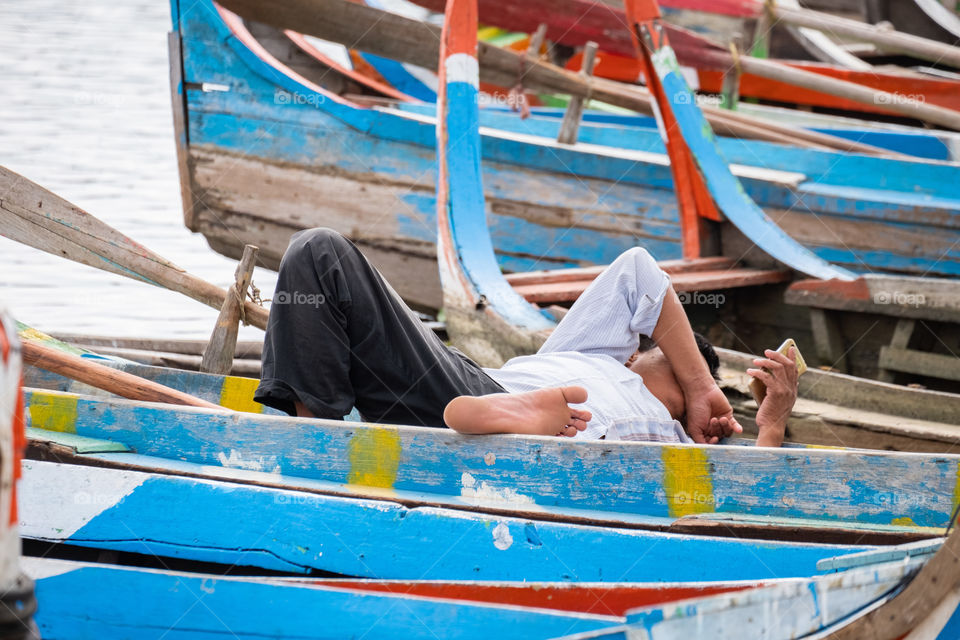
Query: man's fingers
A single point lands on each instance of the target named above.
(766, 363)
(763, 376)
(779, 357)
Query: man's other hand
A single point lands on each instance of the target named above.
(779, 373)
(709, 415)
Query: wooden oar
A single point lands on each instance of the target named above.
(97, 375)
(41, 219)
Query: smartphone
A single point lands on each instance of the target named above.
(759, 389)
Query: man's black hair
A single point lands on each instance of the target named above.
(706, 350)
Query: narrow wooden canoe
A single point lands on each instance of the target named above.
(873, 596)
(95, 601)
(380, 164)
(799, 492)
(231, 523)
(833, 409)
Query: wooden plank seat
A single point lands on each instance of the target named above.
(700, 274)
(908, 299)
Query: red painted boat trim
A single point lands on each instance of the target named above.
(360, 78)
(602, 599)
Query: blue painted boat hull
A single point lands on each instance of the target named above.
(270, 155)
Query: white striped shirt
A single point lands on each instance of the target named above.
(590, 345)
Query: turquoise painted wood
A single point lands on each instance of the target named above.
(231, 392)
(783, 611)
(297, 531)
(93, 601)
(888, 215)
(612, 482)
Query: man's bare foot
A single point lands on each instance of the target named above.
(544, 412)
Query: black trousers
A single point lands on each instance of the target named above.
(339, 337)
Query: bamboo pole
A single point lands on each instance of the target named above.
(120, 383)
(415, 42)
(902, 104)
(888, 40)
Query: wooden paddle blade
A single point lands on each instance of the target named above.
(41, 219)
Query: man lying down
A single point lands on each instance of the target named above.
(339, 337)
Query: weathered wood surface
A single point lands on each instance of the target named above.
(94, 601)
(576, 21)
(905, 297)
(398, 38)
(39, 218)
(570, 125)
(122, 383)
(245, 348)
(933, 593)
(614, 482)
(531, 208)
(886, 39)
(788, 610)
(694, 281)
(585, 597)
(219, 352)
(925, 18)
(296, 531)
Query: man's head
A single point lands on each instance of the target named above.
(659, 377)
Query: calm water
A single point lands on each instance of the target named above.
(85, 112)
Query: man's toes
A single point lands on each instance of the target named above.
(581, 414)
(579, 425)
(574, 395)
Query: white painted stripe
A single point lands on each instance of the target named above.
(40, 568)
(57, 500)
(427, 77)
(788, 178)
(462, 67)
(691, 76)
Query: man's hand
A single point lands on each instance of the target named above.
(779, 373)
(709, 415)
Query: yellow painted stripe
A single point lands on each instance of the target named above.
(956, 491)
(237, 394)
(374, 456)
(53, 412)
(687, 481)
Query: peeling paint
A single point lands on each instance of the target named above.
(501, 537)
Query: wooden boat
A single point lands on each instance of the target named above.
(384, 198)
(832, 409)
(487, 318)
(869, 598)
(283, 607)
(673, 488)
(264, 520)
(575, 22)
(387, 79)
(17, 597)
(86, 600)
